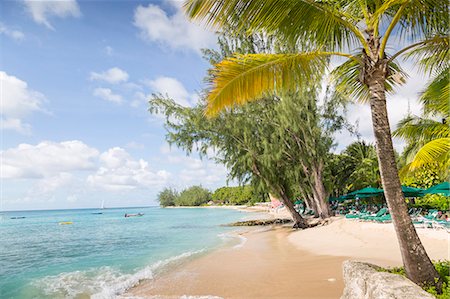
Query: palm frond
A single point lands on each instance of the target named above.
(436, 96)
(432, 54)
(416, 129)
(242, 78)
(417, 18)
(322, 23)
(434, 151)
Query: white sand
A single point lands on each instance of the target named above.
(366, 241)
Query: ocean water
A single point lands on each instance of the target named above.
(100, 256)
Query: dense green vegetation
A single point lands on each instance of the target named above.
(241, 195)
(425, 177)
(442, 267)
(192, 196)
(167, 197)
(356, 167)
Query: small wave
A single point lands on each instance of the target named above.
(232, 236)
(102, 283)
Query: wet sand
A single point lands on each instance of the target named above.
(282, 263)
(266, 265)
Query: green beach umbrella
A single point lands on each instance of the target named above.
(298, 202)
(442, 188)
(364, 193)
(412, 192)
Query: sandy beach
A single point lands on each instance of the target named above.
(281, 263)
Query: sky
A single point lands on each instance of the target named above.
(75, 80)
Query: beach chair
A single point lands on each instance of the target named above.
(384, 219)
(355, 214)
(380, 213)
(441, 224)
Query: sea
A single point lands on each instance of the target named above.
(102, 255)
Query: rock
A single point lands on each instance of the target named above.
(260, 222)
(364, 281)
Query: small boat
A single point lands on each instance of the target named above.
(65, 222)
(102, 208)
(18, 217)
(134, 215)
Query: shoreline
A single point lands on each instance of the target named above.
(259, 267)
(278, 262)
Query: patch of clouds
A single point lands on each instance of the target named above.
(173, 30)
(139, 98)
(42, 11)
(14, 34)
(47, 159)
(107, 95)
(120, 172)
(174, 89)
(50, 184)
(113, 76)
(195, 171)
(17, 102)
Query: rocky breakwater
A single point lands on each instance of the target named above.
(260, 222)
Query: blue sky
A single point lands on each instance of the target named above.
(75, 79)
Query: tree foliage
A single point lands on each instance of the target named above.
(239, 195)
(167, 197)
(192, 196)
(355, 168)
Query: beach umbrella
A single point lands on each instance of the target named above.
(364, 193)
(442, 188)
(298, 202)
(412, 192)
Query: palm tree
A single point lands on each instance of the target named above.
(362, 160)
(428, 136)
(358, 32)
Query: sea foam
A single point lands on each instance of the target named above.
(104, 282)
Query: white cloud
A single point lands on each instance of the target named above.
(41, 11)
(175, 30)
(119, 172)
(17, 102)
(50, 184)
(16, 125)
(107, 95)
(173, 88)
(195, 171)
(113, 75)
(47, 159)
(14, 34)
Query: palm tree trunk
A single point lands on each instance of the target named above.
(417, 264)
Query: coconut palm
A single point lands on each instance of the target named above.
(358, 32)
(428, 137)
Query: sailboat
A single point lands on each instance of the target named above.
(102, 208)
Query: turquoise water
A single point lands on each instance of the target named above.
(100, 255)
